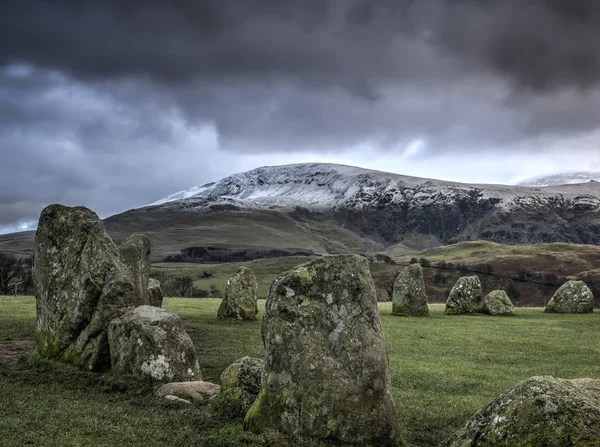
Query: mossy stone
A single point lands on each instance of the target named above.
(81, 284)
(539, 412)
(326, 372)
(409, 298)
(150, 343)
(573, 297)
(240, 302)
(497, 303)
(135, 253)
(155, 294)
(240, 385)
(465, 297)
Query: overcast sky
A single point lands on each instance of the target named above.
(113, 104)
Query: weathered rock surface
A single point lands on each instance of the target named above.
(573, 297)
(155, 295)
(197, 390)
(465, 297)
(240, 384)
(151, 342)
(176, 399)
(135, 252)
(409, 297)
(539, 412)
(81, 284)
(326, 371)
(240, 297)
(497, 303)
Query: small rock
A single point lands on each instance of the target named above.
(240, 297)
(465, 297)
(538, 412)
(240, 384)
(573, 297)
(177, 399)
(197, 390)
(135, 252)
(497, 303)
(151, 342)
(409, 297)
(155, 295)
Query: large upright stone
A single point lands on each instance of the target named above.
(465, 297)
(240, 297)
(497, 303)
(326, 372)
(409, 297)
(573, 297)
(149, 342)
(135, 252)
(538, 412)
(81, 284)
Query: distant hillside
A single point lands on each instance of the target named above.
(565, 178)
(326, 208)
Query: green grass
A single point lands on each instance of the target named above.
(443, 369)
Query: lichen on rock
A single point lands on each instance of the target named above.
(149, 342)
(155, 294)
(326, 372)
(240, 301)
(135, 253)
(81, 284)
(409, 298)
(240, 385)
(573, 297)
(497, 303)
(465, 297)
(541, 411)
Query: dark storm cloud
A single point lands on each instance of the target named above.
(94, 94)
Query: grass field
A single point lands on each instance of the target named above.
(443, 369)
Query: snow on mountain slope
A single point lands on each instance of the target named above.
(320, 186)
(565, 178)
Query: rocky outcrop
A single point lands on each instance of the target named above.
(155, 295)
(326, 371)
(240, 384)
(240, 302)
(409, 297)
(81, 284)
(539, 412)
(497, 303)
(135, 252)
(149, 342)
(196, 391)
(465, 297)
(573, 297)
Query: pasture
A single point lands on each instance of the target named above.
(443, 369)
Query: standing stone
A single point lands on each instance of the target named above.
(497, 303)
(155, 295)
(326, 373)
(240, 385)
(409, 297)
(240, 297)
(135, 252)
(465, 297)
(149, 342)
(81, 284)
(573, 297)
(539, 412)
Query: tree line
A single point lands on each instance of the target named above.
(16, 274)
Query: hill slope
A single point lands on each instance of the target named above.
(327, 208)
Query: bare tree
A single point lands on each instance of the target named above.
(11, 269)
(180, 285)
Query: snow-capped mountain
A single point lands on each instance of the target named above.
(320, 186)
(565, 178)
